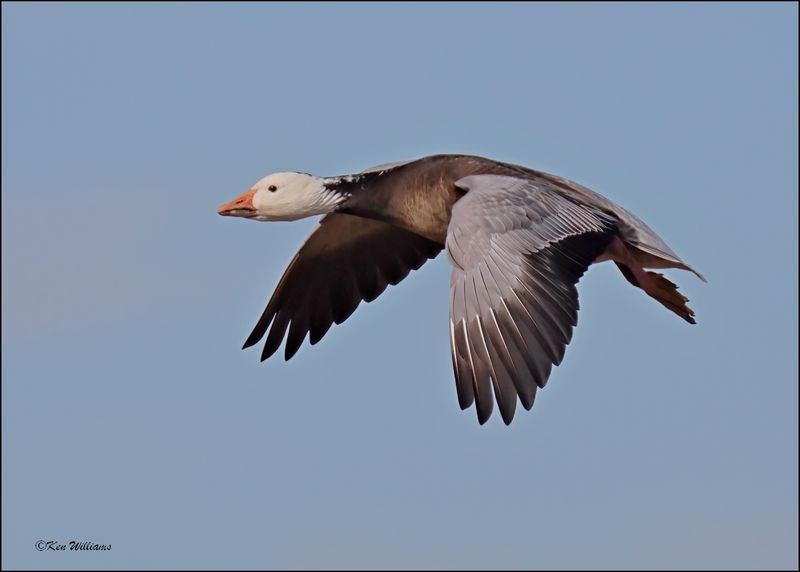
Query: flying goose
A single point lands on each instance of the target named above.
(518, 239)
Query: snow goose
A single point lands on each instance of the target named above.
(518, 239)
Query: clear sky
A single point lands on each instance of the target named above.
(131, 417)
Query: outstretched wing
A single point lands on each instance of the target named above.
(518, 247)
(346, 259)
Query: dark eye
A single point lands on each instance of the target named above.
(272, 188)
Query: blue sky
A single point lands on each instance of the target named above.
(130, 416)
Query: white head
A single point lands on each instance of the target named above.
(284, 196)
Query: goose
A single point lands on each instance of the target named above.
(518, 241)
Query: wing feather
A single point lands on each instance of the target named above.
(345, 260)
(518, 248)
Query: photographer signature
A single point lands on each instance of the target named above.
(73, 545)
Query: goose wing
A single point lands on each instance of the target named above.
(345, 260)
(518, 248)
(635, 231)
